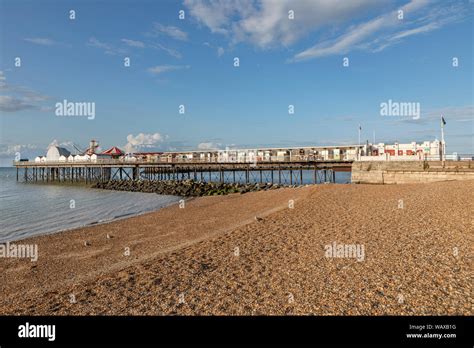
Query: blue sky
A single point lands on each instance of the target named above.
(283, 61)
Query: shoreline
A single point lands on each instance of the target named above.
(92, 224)
(191, 252)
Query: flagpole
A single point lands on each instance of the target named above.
(359, 150)
(443, 148)
(359, 134)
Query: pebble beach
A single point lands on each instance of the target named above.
(261, 253)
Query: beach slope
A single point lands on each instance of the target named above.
(215, 257)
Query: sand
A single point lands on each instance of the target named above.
(213, 257)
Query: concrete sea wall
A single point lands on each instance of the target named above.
(401, 172)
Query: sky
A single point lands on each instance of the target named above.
(309, 72)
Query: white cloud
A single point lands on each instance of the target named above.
(108, 48)
(266, 23)
(55, 142)
(169, 30)
(209, 146)
(13, 104)
(219, 50)
(170, 51)
(71, 146)
(113, 50)
(9, 150)
(158, 46)
(450, 113)
(93, 42)
(384, 31)
(133, 43)
(142, 140)
(41, 41)
(345, 42)
(18, 98)
(165, 68)
(455, 113)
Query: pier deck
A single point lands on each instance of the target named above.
(281, 172)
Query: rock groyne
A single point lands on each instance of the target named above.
(185, 188)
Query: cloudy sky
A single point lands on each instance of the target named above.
(333, 61)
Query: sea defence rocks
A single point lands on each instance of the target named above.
(185, 188)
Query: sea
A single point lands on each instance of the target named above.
(28, 209)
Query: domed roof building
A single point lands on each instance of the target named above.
(54, 152)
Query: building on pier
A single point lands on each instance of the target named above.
(427, 150)
(55, 153)
(412, 151)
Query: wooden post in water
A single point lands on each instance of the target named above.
(134, 173)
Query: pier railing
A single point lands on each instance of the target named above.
(144, 161)
(236, 160)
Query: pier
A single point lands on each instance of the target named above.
(278, 172)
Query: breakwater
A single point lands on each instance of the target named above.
(185, 188)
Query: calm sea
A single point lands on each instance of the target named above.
(28, 209)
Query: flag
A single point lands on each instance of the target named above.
(443, 122)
